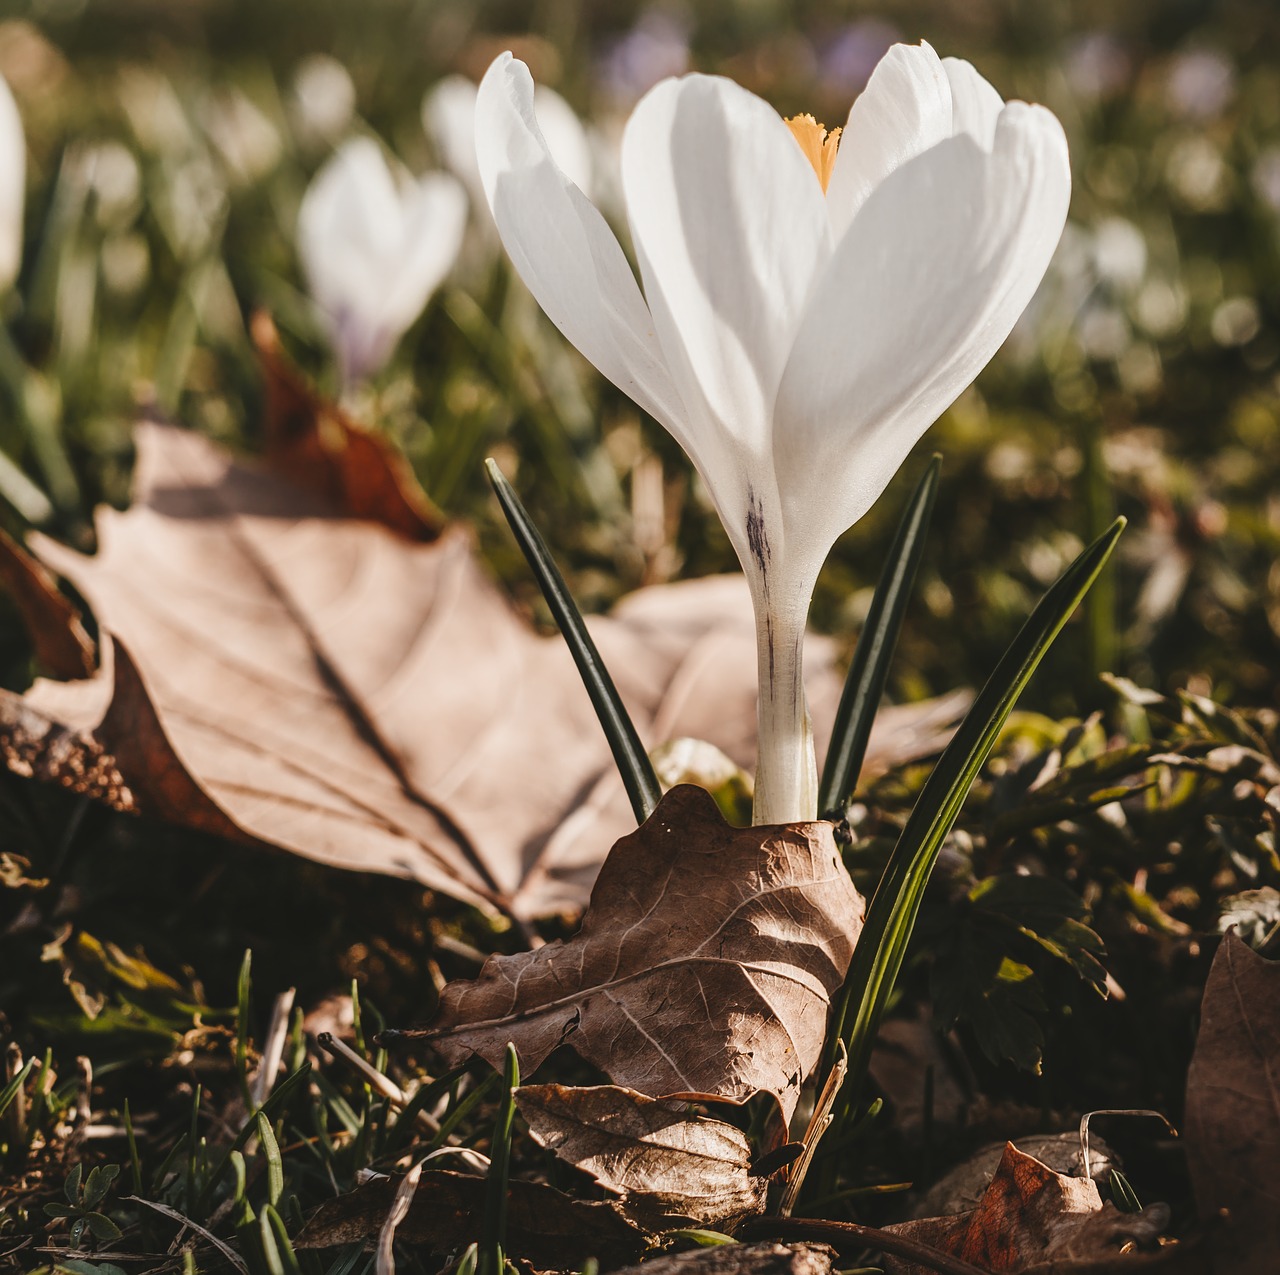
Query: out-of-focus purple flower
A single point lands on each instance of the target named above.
(1097, 66)
(845, 63)
(1201, 84)
(655, 48)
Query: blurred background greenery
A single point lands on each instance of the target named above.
(170, 144)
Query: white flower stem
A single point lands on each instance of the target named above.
(786, 772)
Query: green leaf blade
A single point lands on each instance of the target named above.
(891, 917)
(643, 789)
(869, 669)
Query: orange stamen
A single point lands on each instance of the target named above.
(818, 145)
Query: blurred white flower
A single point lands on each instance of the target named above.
(1161, 307)
(1097, 66)
(1235, 321)
(323, 98)
(1265, 177)
(13, 187)
(1198, 174)
(1201, 84)
(375, 245)
(1119, 253)
(249, 143)
(807, 313)
(449, 119)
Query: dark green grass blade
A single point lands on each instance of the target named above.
(871, 657)
(628, 752)
(883, 942)
(494, 1235)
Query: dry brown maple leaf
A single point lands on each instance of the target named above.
(1031, 1219)
(317, 682)
(705, 962)
(1233, 1109)
(671, 1168)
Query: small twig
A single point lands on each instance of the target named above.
(846, 1235)
(819, 1123)
(273, 1048)
(399, 1211)
(229, 1253)
(381, 1083)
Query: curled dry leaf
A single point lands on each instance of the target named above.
(286, 673)
(543, 1225)
(705, 962)
(62, 646)
(1031, 1219)
(768, 1258)
(671, 1168)
(1233, 1109)
(314, 442)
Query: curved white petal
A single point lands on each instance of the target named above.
(730, 229)
(975, 105)
(449, 119)
(904, 110)
(921, 292)
(562, 247)
(13, 189)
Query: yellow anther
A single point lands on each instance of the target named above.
(818, 145)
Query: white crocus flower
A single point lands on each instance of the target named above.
(375, 245)
(449, 119)
(13, 186)
(807, 312)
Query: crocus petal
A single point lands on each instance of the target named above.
(373, 250)
(13, 165)
(904, 110)
(562, 247)
(449, 119)
(921, 292)
(348, 216)
(730, 228)
(975, 105)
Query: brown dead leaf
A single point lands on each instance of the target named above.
(705, 962)
(62, 646)
(768, 1258)
(313, 442)
(543, 1225)
(318, 683)
(672, 1169)
(1033, 1220)
(1233, 1109)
